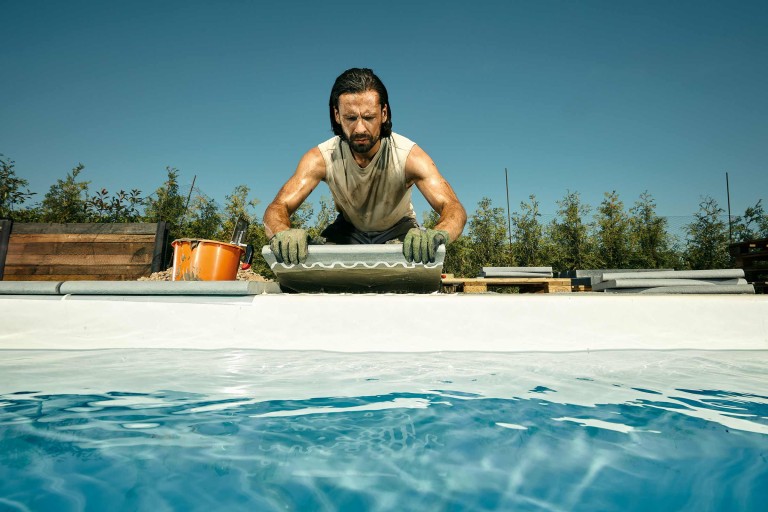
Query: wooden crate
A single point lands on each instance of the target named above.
(70, 252)
(526, 284)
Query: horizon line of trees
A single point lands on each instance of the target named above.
(579, 237)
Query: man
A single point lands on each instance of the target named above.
(370, 171)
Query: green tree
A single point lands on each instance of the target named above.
(753, 224)
(120, 207)
(13, 190)
(325, 216)
(238, 205)
(648, 235)
(460, 259)
(529, 246)
(707, 238)
(67, 199)
(167, 204)
(302, 217)
(488, 237)
(203, 219)
(430, 219)
(612, 233)
(570, 239)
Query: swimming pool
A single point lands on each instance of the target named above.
(230, 429)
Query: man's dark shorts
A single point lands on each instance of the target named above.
(343, 232)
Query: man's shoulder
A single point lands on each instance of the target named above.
(330, 144)
(401, 146)
(401, 142)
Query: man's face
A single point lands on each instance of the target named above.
(361, 116)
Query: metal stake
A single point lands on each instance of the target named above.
(509, 218)
(728, 194)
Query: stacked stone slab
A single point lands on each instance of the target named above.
(516, 272)
(148, 288)
(594, 276)
(719, 281)
(374, 268)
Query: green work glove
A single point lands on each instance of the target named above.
(290, 246)
(420, 245)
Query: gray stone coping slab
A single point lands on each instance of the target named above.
(29, 287)
(589, 277)
(358, 269)
(232, 288)
(678, 274)
(655, 283)
(691, 290)
(515, 274)
(538, 270)
(600, 271)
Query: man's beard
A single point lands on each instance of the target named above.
(362, 144)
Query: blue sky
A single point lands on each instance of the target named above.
(664, 96)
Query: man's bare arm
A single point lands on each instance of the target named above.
(309, 173)
(422, 171)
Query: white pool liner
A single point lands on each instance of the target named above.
(387, 322)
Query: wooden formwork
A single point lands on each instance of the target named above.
(90, 251)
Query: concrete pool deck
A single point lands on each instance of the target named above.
(89, 315)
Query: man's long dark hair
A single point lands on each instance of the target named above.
(357, 80)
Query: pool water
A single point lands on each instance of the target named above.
(166, 430)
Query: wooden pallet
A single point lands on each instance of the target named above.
(752, 257)
(526, 284)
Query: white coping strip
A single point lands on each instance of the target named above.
(388, 323)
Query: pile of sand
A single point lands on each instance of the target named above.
(242, 275)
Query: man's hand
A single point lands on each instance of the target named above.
(420, 245)
(290, 246)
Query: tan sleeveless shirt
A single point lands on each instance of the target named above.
(374, 197)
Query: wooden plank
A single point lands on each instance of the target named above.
(132, 228)
(5, 233)
(78, 259)
(81, 238)
(18, 270)
(751, 256)
(75, 277)
(748, 246)
(79, 248)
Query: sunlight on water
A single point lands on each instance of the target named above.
(256, 430)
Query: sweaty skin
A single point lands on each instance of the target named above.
(361, 116)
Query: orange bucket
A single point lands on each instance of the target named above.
(205, 260)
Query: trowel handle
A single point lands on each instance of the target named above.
(248, 257)
(238, 233)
